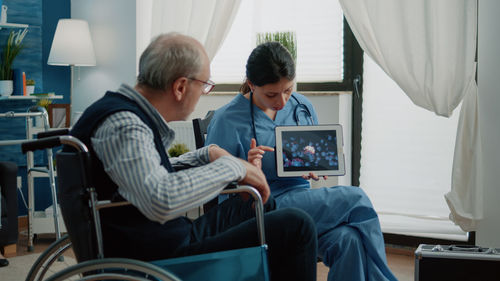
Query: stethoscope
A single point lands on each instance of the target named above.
(299, 108)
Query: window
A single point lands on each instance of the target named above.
(319, 29)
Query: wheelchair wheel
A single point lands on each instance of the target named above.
(113, 269)
(52, 260)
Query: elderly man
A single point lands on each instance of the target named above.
(127, 133)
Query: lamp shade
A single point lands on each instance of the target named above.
(72, 44)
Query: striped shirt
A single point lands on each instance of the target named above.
(125, 146)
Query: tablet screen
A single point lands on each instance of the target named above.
(304, 149)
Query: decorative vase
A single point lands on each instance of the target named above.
(6, 87)
(30, 89)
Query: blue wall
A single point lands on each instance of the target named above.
(42, 17)
(29, 59)
(55, 78)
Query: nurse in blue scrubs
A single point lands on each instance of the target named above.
(350, 240)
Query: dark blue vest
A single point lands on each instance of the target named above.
(93, 117)
(126, 232)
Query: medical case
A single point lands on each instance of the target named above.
(456, 262)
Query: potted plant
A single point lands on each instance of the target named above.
(30, 86)
(177, 149)
(44, 103)
(11, 49)
(286, 38)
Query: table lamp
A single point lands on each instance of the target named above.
(72, 45)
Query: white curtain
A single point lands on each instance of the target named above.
(209, 21)
(428, 48)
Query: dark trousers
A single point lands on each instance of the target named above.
(290, 235)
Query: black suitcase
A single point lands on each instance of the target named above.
(456, 263)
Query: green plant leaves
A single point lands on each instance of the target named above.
(286, 38)
(10, 51)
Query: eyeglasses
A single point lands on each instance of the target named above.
(207, 85)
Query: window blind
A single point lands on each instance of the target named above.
(318, 25)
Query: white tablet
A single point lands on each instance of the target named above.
(304, 149)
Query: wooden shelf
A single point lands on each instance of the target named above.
(55, 97)
(13, 25)
(37, 173)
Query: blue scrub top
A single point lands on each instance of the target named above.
(231, 129)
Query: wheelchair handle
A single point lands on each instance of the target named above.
(40, 144)
(54, 141)
(52, 133)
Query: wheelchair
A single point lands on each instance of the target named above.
(80, 210)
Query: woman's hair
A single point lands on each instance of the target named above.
(268, 63)
(168, 57)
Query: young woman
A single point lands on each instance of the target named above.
(350, 240)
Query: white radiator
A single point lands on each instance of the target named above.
(183, 133)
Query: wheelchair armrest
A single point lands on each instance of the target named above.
(231, 185)
(102, 204)
(230, 189)
(180, 167)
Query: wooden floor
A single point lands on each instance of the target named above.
(402, 263)
(400, 260)
(41, 242)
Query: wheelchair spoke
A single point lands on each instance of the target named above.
(55, 258)
(114, 269)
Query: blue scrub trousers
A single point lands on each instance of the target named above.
(350, 240)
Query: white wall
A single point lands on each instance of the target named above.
(489, 114)
(113, 30)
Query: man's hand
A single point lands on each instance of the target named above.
(256, 178)
(256, 153)
(214, 152)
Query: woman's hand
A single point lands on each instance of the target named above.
(256, 153)
(313, 176)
